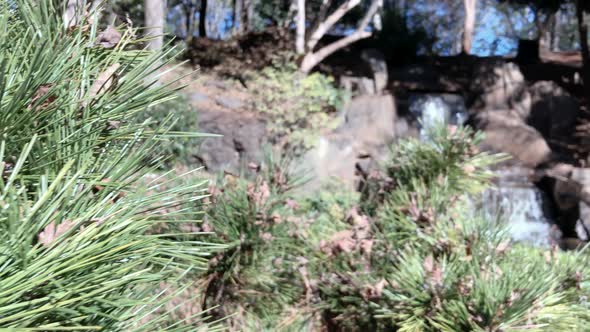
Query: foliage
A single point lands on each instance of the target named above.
(79, 244)
(178, 116)
(425, 263)
(300, 107)
(423, 260)
(254, 276)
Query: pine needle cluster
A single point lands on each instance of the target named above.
(79, 246)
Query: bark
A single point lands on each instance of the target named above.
(325, 26)
(545, 34)
(311, 59)
(154, 11)
(583, 30)
(300, 35)
(238, 17)
(189, 12)
(203, 19)
(469, 24)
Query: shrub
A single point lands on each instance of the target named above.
(424, 262)
(178, 116)
(421, 260)
(299, 108)
(79, 246)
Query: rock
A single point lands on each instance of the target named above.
(367, 131)
(242, 141)
(332, 158)
(553, 111)
(197, 97)
(506, 133)
(370, 121)
(376, 61)
(357, 86)
(498, 85)
(229, 102)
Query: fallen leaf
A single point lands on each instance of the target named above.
(41, 92)
(103, 82)
(52, 231)
(108, 38)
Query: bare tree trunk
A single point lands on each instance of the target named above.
(545, 33)
(154, 22)
(555, 32)
(238, 17)
(249, 14)
(325, 26)
(311, 58)
(583, 30)
(203, 19)
(189, 12)
(469, 24)
(300, 38)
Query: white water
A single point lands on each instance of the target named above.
(520, 205)
(515, 200)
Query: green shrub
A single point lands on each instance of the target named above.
(178, 116)
(80, 246)
(422, 260)
(299, 108)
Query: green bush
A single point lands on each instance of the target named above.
(420, 259)
(178, 116)
(81, 246)
(299, 108)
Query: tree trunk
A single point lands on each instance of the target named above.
(545, 32)
(238, 17)
(312, 59)
(203, 19)
(189, 12)
(583, 30)
(154, 11)
(300, 38)
(326, 25)
(469, 24)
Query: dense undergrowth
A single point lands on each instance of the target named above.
(95, 236)
(407, 254)
(82, 246)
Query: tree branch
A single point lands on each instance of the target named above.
(311, 59)
(324, 27)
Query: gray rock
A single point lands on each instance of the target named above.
(229, 102)
(498, 85)
(242, 141)
(370, 121)
(197, 97)
(378, 65)
(553, 111)
(367, 131)
(509, 134)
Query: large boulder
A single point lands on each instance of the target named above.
(499, 85)
(369, 121)
(508, 133)
(241, 141)
(369, 127)
(553, 111)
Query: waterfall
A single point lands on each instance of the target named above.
(515, 200)
(520, 205)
